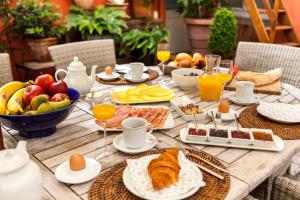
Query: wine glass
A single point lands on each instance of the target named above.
(163, 55)
(103, 113)
(225, 73)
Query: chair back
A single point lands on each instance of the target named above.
(93, 52)
(262, 57)
(5, 69)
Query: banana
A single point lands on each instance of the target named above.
(6, 91)
(14, 104)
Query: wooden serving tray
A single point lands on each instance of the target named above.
(122, 81)
(273, 88)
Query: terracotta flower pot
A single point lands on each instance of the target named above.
(39, 48)
(140, 10)
(86, 4)
(198, 32)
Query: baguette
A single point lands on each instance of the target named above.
(260, 79)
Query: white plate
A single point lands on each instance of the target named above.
(119, 144)
(224, 116)
(280, 112)
(144, 77)
(234, 100)
(125, 68)
(64, 174)
(106, 77)
(126, 103)
(169, 123)
(279, 145)
(131, 187)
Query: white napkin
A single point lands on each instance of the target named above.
(190, 177)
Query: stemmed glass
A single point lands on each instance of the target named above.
(225, 73)
(103, 113)
(163, 55)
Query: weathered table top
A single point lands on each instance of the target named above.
(78, 133)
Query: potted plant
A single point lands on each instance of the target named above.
(142, 8)
(37, 22)
(198, 17)
(104, 22)
(86, 4)
(143, 44)
(223, 36)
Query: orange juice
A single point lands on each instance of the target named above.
(104, 112)
(163, 55)
(224, 78)
(210, 87)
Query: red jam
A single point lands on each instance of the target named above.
(240, 135)
(199, 132)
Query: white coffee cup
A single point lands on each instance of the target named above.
(244, 91)
(135, 131)
(136, 70)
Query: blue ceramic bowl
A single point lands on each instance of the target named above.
(36, 126)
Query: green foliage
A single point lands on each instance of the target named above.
(198, 8)
(36, 20)
(145, 41)
(103, 21)
(4, 11)
(223, 37)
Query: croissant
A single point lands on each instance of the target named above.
(164, 170)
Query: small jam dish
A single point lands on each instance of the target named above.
(184, 101)
(241, 137)
(197, 133)
(221, 135)
(263, 138)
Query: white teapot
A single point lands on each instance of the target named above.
(77, 78)
(20, 178)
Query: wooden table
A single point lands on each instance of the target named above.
(79, 133)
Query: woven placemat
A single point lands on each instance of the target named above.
(122, 81)
(250, 118)
(109, 184)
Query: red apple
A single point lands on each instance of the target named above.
(58, 87)
(44, 81)
(59, 97)
(32, 91)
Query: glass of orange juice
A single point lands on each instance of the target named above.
(163, 55)
(225, 73)
(209, 85)
(103, 113)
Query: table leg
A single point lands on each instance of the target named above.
(1, 139)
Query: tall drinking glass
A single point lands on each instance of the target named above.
(225, 73)
(103, 113)
(163, 55)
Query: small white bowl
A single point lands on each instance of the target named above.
(183, 79)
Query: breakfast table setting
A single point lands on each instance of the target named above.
(140, 133)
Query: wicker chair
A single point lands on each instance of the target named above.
(94, 52)
(262, 57)
(5, 69)
(285, 189)
(5, 77)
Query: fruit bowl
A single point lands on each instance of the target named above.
(40, 125)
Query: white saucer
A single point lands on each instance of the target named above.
(144, 77)
(106, 77)
(224, 116)
(234, 100)
(64, 174)
(119, 144)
